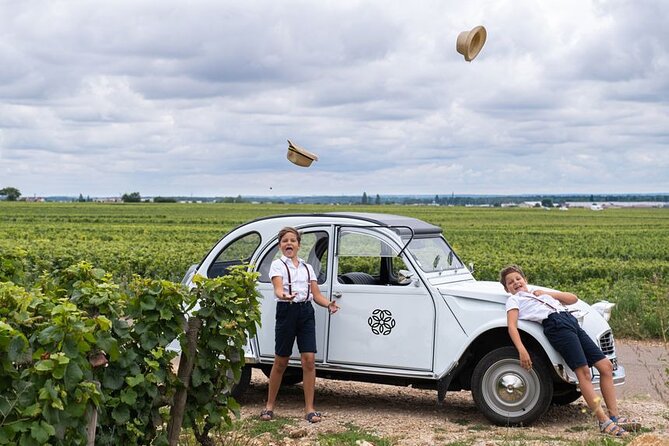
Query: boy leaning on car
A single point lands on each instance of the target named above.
(569, 339)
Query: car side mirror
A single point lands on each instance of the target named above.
(470, 267)
(404, 276)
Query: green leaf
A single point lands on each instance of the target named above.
(45, 365)
(71, 347)
(134, 380)
(32, 411)
(196, 377)
(112, 379)
(57, 403)
(73, 374)
(42, 431)
(166, 314)
(149, 340)
(103, 322)
(6, 435)
(108, 344)
(129, 397)
(121, 415)
(219, 343)
(50, 334)
(76, 410)
(59, 371)
(147, 302)
(17, 346)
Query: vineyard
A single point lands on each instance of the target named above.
(621, 255)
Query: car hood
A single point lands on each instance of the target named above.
(491, 297)
(476, 289)
(492, 292)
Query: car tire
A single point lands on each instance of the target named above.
(291, 376)
(507, 394)
(242, 386)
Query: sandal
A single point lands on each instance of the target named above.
(629, 424)
(313, 417)
(611, 428)
(266, 415)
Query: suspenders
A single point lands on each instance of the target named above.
(558, 310)
(290, 286)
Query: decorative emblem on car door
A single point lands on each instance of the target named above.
(381, 322)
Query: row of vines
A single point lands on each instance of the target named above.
(91, 305)
(621, 255)
(90, 358)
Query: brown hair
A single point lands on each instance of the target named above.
(287, 230)
(508, 270)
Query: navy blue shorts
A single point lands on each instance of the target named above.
(294, 320)
(571, 341)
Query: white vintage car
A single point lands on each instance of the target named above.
(411, 314)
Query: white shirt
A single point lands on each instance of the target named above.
(299, 281)
(533, 308)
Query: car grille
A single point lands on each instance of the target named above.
(606, 343)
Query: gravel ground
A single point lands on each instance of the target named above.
(412, 417)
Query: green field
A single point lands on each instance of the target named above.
(621, 255)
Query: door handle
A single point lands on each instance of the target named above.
(336, 294)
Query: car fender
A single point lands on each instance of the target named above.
(532, 329)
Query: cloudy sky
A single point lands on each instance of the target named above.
(176, 98)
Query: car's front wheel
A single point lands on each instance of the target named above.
(565, 397)
(506, 393)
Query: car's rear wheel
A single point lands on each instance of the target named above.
(506, 393)
(242, 386)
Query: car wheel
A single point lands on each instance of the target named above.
(506, 393)
(243, 385)
(291, 376)
(565, 397)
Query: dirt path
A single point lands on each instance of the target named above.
(645, 368)
(412, 417)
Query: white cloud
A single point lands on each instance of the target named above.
(169, 98)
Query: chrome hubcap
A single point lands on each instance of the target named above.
(511, 388)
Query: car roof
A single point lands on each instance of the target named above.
(402, 224)
(418, 226)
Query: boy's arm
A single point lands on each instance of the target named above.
(277, 282)
(321, 300)
(512, 322)
(562, 296)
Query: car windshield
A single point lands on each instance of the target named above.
(434, 254)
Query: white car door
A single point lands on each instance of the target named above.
(383, 321)
(314, 249)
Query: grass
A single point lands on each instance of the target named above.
(254, 427)
(350, 436)
(243, 432)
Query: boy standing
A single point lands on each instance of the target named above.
(569, 339)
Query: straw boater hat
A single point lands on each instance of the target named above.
(470, 42)
(300, 156)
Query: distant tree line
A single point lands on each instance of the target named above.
(10, 193)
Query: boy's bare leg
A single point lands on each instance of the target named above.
(275, 377)
(309, 382)
(589, 394)
(606, 386)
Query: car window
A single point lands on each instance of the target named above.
(313, 249)
(366, 259)
(434, 254)
(239, 251)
